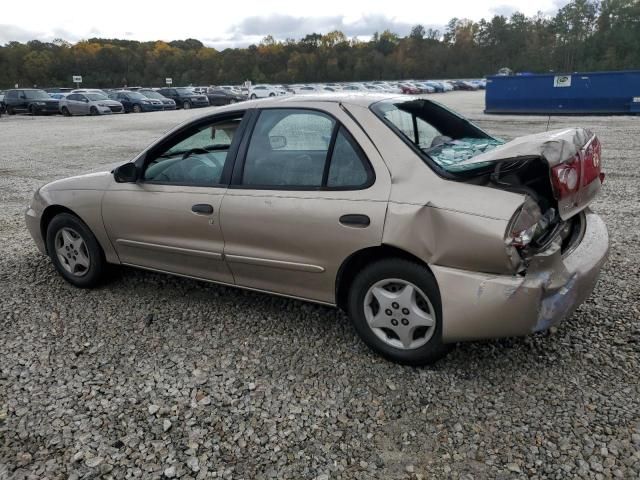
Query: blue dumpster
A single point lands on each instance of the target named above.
(561, 94)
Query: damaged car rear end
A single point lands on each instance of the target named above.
(505, 227)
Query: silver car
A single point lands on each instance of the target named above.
(89, 103)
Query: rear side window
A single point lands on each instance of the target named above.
(304, 150)
(348, 167)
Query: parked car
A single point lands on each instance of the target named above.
(167, 103)
(421, 226)
(264, 91)
(30, 100)
(58, 96)
(90, 103)
(185, 97)
(219, 96)
(409, 89)
(462, 85)
(305, 89)
(136, 102)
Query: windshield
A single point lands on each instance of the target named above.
(94, 97)
(185, 90)
(152, 94)
(441, 135)
(36, 95)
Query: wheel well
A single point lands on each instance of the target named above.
(48, 214)
(358, 260)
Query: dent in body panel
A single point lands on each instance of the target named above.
(448, 238)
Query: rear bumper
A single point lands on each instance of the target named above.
(477, 305)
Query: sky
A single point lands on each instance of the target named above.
(226, 23)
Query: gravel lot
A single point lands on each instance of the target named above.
(153, 376)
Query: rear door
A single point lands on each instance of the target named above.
(309, 191)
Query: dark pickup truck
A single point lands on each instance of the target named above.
(185, 97)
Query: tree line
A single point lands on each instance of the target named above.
(584, 35)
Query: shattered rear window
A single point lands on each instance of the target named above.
(445, 138)
(449, 155)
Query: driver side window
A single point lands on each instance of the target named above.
(197, 157)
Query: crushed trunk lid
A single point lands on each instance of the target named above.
(573, 159)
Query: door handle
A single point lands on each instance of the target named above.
(202, 209)
(355, 220)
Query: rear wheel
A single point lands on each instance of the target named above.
(66, 112)
(75, 251)
(253, 96)
(395, 307)
(186, 105)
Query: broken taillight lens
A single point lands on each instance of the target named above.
(565, 177)
(592, 162)
(525, 224)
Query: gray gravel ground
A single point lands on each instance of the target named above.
(159, 377)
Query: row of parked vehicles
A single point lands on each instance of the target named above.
(100, 102)
(139, 99)
(411, 87)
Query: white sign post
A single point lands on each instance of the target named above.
(77, 79)
(168, 81)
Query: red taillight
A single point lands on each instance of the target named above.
(566, 178)
(592, 162)
(581, 170)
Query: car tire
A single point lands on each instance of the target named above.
(272, 94)
(186, 105)
(253, 96)
(93, 111)
(233, 100)
(137, 109)
(75, 251)
(32, 111)
(9, 110)
(406, 326)
(66, 112)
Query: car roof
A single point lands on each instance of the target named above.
(362, 99)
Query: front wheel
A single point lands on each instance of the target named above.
(9, 110)
(93, 111)
(32, 110)
(253, 96)
(66, 112)
(395, 307)
(75, 251)
(137, 109)
(186, 105)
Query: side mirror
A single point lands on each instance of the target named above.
(127, 173)
(277, 142)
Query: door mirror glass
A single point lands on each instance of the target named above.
(127, 173)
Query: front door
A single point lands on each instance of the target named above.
(170, 219)
(304, 197)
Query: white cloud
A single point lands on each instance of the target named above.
(241, 23)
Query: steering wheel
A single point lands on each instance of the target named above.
(202, 151)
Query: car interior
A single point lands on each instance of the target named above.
(198, 159)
